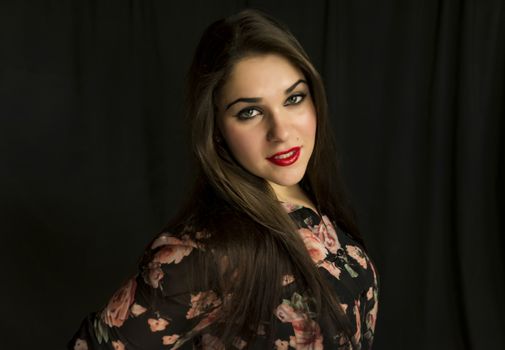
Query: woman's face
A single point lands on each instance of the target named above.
(264, 109)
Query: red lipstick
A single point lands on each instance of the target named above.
(285, 158)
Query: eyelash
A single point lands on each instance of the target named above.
(243, 111)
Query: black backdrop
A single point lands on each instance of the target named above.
(94, 156)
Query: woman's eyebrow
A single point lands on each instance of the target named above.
(258, 99)
(289, 89)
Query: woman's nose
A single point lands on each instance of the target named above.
(278, 128)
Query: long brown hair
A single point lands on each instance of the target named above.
(253, 241)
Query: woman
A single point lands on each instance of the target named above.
(265, 254)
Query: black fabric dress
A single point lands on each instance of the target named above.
(151, 310)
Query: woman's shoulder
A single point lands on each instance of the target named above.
(183, 234)
(169, 248)
(159, 295)
(168, 256)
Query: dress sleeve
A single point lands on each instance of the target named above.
(154, 308)
(371, 306)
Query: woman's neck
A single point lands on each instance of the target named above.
(294, 195)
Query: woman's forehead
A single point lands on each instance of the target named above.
(261, 75)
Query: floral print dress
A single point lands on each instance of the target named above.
(153, 310)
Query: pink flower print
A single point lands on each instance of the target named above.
(166, 239)
(307, 332)
(307, 335)
(344, 307)
(209, 319)
(80, 344)
(357, 254)
(316, 249)
(374, 273)
(202, 302)
(327, 234)
(344, 340)
(331, 268)
(172, 253)
(157, 325)
(118, 345)
(371, 316)
(137, 309)
(286, 313)
(202, 235)
(170, 339)
(287, 279)
(369, 294)
(281, 344)
(210, 342)
(116, 311)
(289, 207)
(357, 335)
(154, 274)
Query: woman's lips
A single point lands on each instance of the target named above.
(285, 158)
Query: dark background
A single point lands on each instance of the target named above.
(94, 157)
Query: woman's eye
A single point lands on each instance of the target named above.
(295, 99)
(247, 113)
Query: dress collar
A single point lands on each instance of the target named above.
(291, 207)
